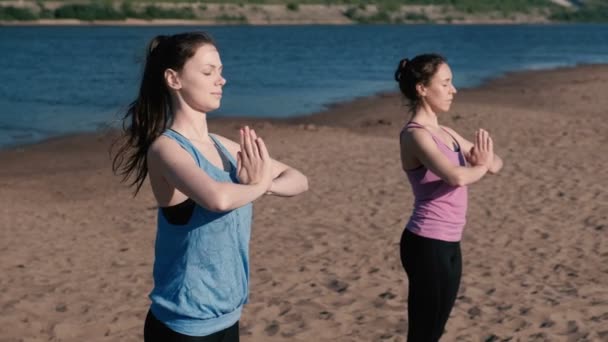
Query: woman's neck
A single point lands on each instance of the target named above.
(426, 117)
(192, 125)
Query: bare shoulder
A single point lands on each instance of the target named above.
(415, 136)
(166, 149)
(159, 146)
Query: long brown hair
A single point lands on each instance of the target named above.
(151, 112)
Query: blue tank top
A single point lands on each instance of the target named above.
(201, 269)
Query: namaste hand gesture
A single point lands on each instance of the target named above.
(482, 152)
(254, 165)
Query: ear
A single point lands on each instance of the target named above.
(421, 89)
(172, 79)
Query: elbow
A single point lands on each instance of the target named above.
(219, 204)
(304, 183)
(300, 186)
(496, 166)
(223, 205)
(295, 188)
(456, 181)
(495, 169)
(220, 208)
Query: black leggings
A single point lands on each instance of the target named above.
(433, 268)
(156, 331)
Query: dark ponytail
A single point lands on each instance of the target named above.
(151, 112)
(419, 70)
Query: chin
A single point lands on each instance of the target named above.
(441, 109)
(214, 106)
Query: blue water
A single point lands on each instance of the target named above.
(59, 80)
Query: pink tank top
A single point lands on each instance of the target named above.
(439, 208)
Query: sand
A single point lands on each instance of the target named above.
(77, 249)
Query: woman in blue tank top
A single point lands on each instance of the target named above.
(204, 185)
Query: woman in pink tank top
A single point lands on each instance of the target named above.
(439, 164)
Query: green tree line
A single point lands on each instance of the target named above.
(589, 11)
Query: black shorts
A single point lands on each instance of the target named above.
(156, 331)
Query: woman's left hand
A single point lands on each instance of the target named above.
(482, 152)
(254, 165)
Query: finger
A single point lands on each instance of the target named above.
(244, 155)
(263, 150)
(254, 146)
(477, 139)
(487, 135)
(490, 144)
(242, 137)
(484, 139)
(248, 143)
(239, 163)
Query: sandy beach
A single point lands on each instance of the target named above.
(77, 249)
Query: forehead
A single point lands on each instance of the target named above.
(443, 72)
(206, 54)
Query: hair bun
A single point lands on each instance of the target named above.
(400, 69)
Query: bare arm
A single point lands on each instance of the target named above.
(466, 147)
(286, 181)
(179, 169)
(421, 144)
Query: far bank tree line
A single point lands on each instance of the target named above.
(355, 10)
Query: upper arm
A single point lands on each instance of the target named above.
(232, 147)
(180, 170)
(424, 148)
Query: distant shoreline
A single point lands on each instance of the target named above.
(335, 114)
(176, 22)
(31, 13)
(163, 22)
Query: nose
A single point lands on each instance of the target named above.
(222, 81)
(454, 91)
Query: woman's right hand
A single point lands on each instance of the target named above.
(482, 152)
(254, 165)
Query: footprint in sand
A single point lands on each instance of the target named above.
(474, 312)
(337, 285)
(272, 328)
